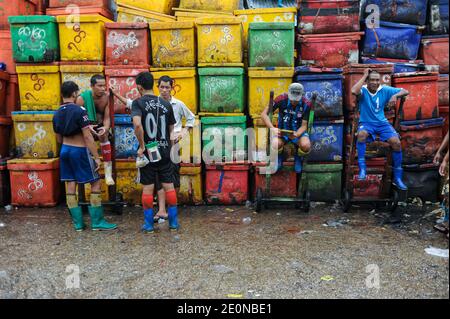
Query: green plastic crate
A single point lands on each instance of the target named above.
(324, 181)
(221, 90)
(34, 38)
(226, 128)
(271, 44)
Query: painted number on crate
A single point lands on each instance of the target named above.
(35, 185)
(30, 37)
(122, 42)
(78, 38)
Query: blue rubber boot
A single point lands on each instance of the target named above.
(173, 218)
(280, 4)
(398, 179)
(148, 221)
(362, 170)
(298, 163)
(397, 159)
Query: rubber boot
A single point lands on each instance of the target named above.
(148, 226)
(108, 174)
(298, 163)
(362, 170)
(398, 179)
(280, 4)
(77, 217)
(173, 218)
(98, 222)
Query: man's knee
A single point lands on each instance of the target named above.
(395, 144)
(362, 136)
(305, 145)
(277, 144)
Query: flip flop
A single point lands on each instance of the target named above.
(157, 217)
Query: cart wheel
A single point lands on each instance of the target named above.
(394, 200)
(259, 197)
(346, 201)
(118, 206)
(307, 203)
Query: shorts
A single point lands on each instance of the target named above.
(384, 130)
(175, 177)
(77, 165)
(156, 172)
(295, 141)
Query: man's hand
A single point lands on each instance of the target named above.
(275, 131)
(101, 131)
(438, 158)
(392, 102)
(98, 164)
(366, 72)
(443, 168)
(140, 152)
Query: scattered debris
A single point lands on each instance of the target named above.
(161, 221)
(223, 269)
(437, 252)
(248, 204)
(247, 220)
(305, 232)
(278, 214)
(336, 223)
(235, 296)
(2, 225)
(327, 278)
(229, 210)
(8, 208)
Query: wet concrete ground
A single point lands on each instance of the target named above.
(280, 253)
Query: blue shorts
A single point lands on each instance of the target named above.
(295, 141)
(384, 130)
(77, 165)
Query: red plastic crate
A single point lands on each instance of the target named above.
(282, 184)
(15, 8)
(34, 183)
(5, 130)
(443, 90)
(227, 184)
(4, 79)
(123, 79)
(434, 51)
(127, 44)
(422, 101)
(333, 50)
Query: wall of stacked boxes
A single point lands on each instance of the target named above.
(225, 56)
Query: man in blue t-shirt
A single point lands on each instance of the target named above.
(79, 160)
(373, 98)
(294, 109)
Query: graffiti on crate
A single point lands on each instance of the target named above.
(122, 42)
(278, 45)
(126, 141)
(77, 39)
(227, 36)
(32, 39)
(38, 82)
(323, 139)
(27, 145)
(177, 49)
(126, 87)
(35, 185)
(218, 90)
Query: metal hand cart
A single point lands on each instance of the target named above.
(390, 195)
(302, 200)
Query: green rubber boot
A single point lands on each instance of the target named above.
(98, 222)
(77, 218)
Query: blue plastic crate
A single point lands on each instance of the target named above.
(327, 139)
(126, 142)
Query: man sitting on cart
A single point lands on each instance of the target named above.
(373, 98)
(294, 109)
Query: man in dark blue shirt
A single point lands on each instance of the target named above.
(294, 109)
(73, 129)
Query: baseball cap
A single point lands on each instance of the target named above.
(295, 92)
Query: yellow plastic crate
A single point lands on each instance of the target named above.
(162, 6)
(211, 5)
(126, 181)
(34, 135)
(135, 15)
(83, 40)
(192, 15)
(173, 44)
(194, 156)
(39, 87)
(265, 15)
(80, 74)
(261, 82)
(186, 88)
(191, 185)
(219, 42)
(261, 135)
